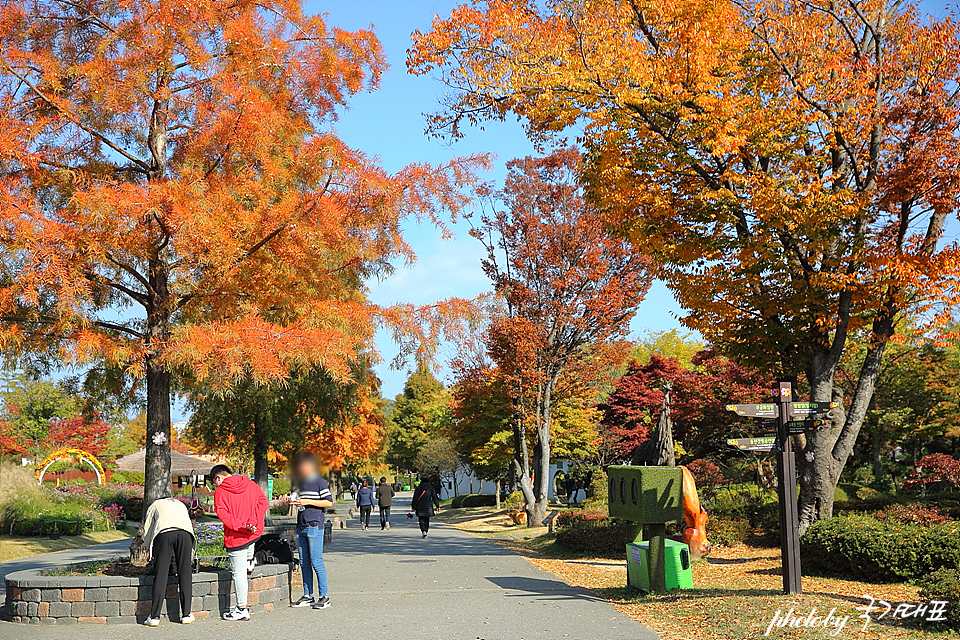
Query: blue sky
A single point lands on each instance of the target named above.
(389, 123)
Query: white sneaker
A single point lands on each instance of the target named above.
(237, 614)
(187, 619)
(151, 622)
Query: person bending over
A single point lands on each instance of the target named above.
(168, 533)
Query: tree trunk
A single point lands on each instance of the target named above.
(261, 465)
(832, 445)
(496, 492)
(537, 511)
(156, 483)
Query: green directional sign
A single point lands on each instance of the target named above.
(762, 445)
(796, 427)
(755, 410)
(810, 408)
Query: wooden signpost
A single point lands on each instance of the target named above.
(790, 418)
(758, 445)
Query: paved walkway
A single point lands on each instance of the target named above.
(394, 586)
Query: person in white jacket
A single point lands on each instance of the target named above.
(168, 534)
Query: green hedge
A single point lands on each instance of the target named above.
(592, 532)
(474, 500)
(879, 550)
(127, 477)
(944, 585)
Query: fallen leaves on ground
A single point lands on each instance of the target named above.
(738, 593)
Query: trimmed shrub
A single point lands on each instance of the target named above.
(281, 486)
(127, 477)
(592, 532)
(728, 531)
(879, 550)
(912, 512)
(944, 585)
(280, 510)
(514, 501)
(478, 500)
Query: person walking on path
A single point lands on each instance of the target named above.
(314, 497)
(168, 534)
(365, 500)
(241, 507)
(425, 504)
(353, 490)
(385, 495)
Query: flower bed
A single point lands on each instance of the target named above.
(33, 597)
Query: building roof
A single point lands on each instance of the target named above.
(180, 463)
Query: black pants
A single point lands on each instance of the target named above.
(177, 545)
(365, 514)
(384, 517)
(424, 523)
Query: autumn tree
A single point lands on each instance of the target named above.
(40, 416)
(250, 420)
(173, 197)
(789, 165)
(481, 429)
(569, 290)
(699, 395)
(419, 414)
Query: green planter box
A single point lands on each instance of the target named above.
(677, 562)
(648, 495)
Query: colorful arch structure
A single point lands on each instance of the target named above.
(62, 454)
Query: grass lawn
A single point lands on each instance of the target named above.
(738, 590)
(14, 548)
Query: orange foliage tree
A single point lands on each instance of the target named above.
(172, 196)
(569, 290)
(789, 165)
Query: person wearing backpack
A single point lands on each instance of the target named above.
(314, 496)
(365, 501)
(425, 504)
(385, 495)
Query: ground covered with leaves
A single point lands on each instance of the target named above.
(738, 592)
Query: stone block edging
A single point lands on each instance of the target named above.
(35, 598)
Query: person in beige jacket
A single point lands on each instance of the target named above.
(168, 534)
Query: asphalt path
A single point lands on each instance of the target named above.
(393, 585)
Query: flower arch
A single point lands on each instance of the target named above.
(80, 454)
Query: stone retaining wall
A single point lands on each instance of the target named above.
(40, 599)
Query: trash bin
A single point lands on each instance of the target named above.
(327, 531)
(677, 563)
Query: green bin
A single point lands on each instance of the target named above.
(677, 555)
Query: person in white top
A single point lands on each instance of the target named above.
(167, 532)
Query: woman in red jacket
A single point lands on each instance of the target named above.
(241, 507)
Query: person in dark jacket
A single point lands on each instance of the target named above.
(425, 504)
(365, 500)
(385, 495)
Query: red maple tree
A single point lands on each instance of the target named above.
(569, 290)
(698, 399)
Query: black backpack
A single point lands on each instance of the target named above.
(272, 549)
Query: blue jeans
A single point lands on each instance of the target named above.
(310, 542)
